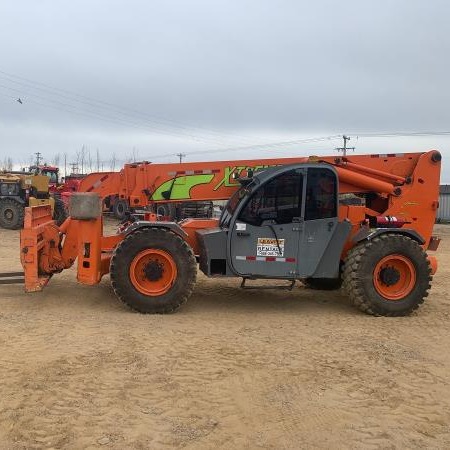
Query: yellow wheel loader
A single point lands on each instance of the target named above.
(19, 190)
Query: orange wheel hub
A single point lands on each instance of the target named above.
(394, 277)
(153, 272)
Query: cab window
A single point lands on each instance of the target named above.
(321, 194)
(279, 200)
(53, 176)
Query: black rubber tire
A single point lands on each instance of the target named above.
(12, 214)
(358, 275)
(323, 284)
(60, 212)
(161, 239)
(120, 209)
(168, 210)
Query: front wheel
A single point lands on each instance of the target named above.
(387, 276)
(153, 271)
(11, 214)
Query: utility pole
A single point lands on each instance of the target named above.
(74, 168)
(345, 148)
(38, 158)
(181, 156)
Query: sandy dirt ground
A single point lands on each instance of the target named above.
(232, 369)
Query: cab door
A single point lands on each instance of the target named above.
(320, 223)
(265, 237)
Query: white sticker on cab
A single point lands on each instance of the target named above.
(270, 247)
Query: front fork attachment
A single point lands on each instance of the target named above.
(12, 278)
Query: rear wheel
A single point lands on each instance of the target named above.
(60, 212)
(388, 276)
(153, 271)
(11, 214)
(120, 209)
(167, 210)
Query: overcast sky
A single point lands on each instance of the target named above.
(155, 78)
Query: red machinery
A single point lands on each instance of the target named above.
(64, 188)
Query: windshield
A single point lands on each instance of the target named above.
(53, 176)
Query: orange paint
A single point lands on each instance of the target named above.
(153, 272)
(433, 264)
(394, 277)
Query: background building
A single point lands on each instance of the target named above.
(444, 203)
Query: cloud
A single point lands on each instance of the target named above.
(207, 73)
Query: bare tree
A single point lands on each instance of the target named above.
(56, 159)
(113, 162)
(89, 157)
(65, 164)
(134, 155)
(82, 157)
(7, 165)
(24, 164)
(77, 158)
(30, 161)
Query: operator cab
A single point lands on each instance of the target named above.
(283, 224)
(50, 172)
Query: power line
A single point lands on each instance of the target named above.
(277, 145)
(402, 134)
(74, 110)
(161, 122)
(262, 147)
(267, 145)
(55, 104)
(259, 147)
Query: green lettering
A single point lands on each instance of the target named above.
(227, 177)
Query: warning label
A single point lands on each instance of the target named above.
(270, 247)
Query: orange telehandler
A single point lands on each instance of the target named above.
(364, 221)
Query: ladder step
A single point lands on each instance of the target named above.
(11, 274)
(285, 287)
